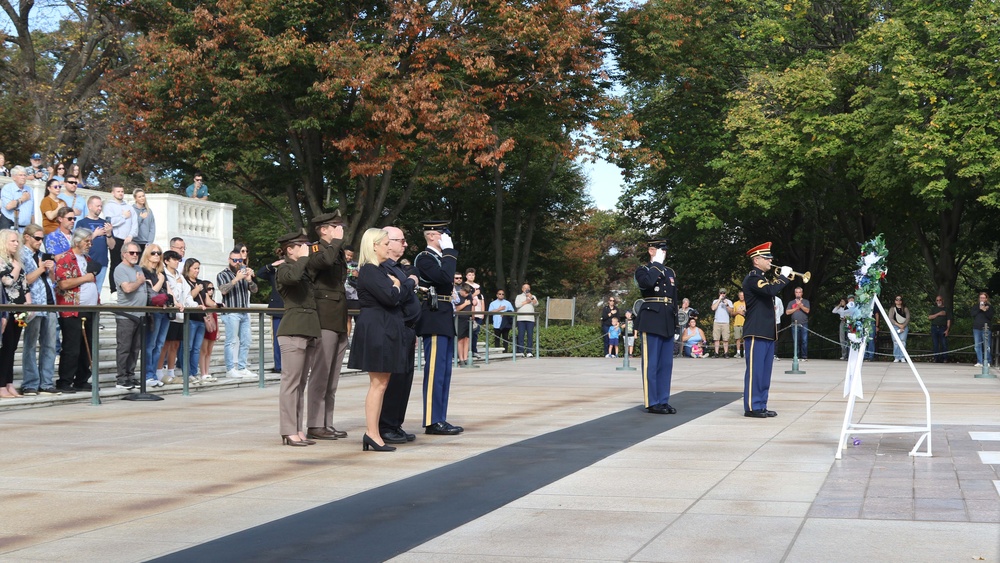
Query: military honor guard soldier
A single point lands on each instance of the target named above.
(657, 323)
(435, 268)
(327, 267)
(759, 330)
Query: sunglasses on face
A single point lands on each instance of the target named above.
(74, 182)
(37, 238)
(132, 252)
(155, 253)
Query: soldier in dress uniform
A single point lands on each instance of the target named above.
(759, 329)
(435, 267)
(298, 334)
(657, 323)
(328, 269)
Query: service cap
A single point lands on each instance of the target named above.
(332, 218)
(762, 250)
(657, 242)
(441, 226)
(290, 239)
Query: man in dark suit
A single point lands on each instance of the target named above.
(397, 393)
(435, 268)
(657, 324)
(328, 269)
(759, 330)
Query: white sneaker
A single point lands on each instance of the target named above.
(153, 383)
(234, 374)
(529, 355)
(979, 365)
(247, 374)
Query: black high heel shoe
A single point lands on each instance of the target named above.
(290, 441)
(366, 442)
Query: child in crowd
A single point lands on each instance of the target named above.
(464, 304)
(613, 334)
(630, 332)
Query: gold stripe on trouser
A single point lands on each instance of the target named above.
(753, 342)
(645, 372)
(431, 364)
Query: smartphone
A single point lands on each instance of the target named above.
(47, 256)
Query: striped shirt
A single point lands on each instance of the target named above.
(239, 294)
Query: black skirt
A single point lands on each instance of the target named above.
(380, 342)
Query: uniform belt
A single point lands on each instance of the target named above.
(657, 299)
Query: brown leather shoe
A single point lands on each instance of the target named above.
(320, 434)
(337, 433)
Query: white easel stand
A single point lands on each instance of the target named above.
(853, 390)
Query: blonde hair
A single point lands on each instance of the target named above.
(6, 257)
(366, 251)
(145, 263)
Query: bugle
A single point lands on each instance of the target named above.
(805, 277)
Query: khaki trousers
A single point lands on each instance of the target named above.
(296, 356)
(325, 377)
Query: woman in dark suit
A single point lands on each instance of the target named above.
(298, 334)
(379, 334)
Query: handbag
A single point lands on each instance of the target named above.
(211, 322)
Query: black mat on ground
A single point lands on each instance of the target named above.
(381, 523)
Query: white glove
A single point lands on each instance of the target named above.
(659, 256)
(785, 271)
(446, 242)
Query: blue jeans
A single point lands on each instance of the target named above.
(100, 277)
(525, 336)
(275, 322)
(237, 337)
(870, 348)
(897, 352)
(197, 335)
(803, 330)
(940, 342)
(979, 336)
(39, 369)
(156, 335)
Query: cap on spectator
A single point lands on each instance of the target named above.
(332, 218)
(763, 250)
(722, 290)
(436, 225)
(36, 156)
(657, 242)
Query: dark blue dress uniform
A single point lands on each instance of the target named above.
(657, 322)
(436, 325)
(759, 334)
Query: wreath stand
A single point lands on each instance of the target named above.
(853, 390)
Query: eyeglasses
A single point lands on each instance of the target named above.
(132, 252)
(155, 253)
(398, 239)
(37, 238)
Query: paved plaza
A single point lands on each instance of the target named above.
(557, 463)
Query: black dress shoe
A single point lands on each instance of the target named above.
(756, 414)
(65, 387)
(338, 433)
(409, 437)
(656, 409)
(83, 387)
(440, 429)
(770, 413)
(669, 409)
(453, 427)
(320, 434)
(393, 437)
